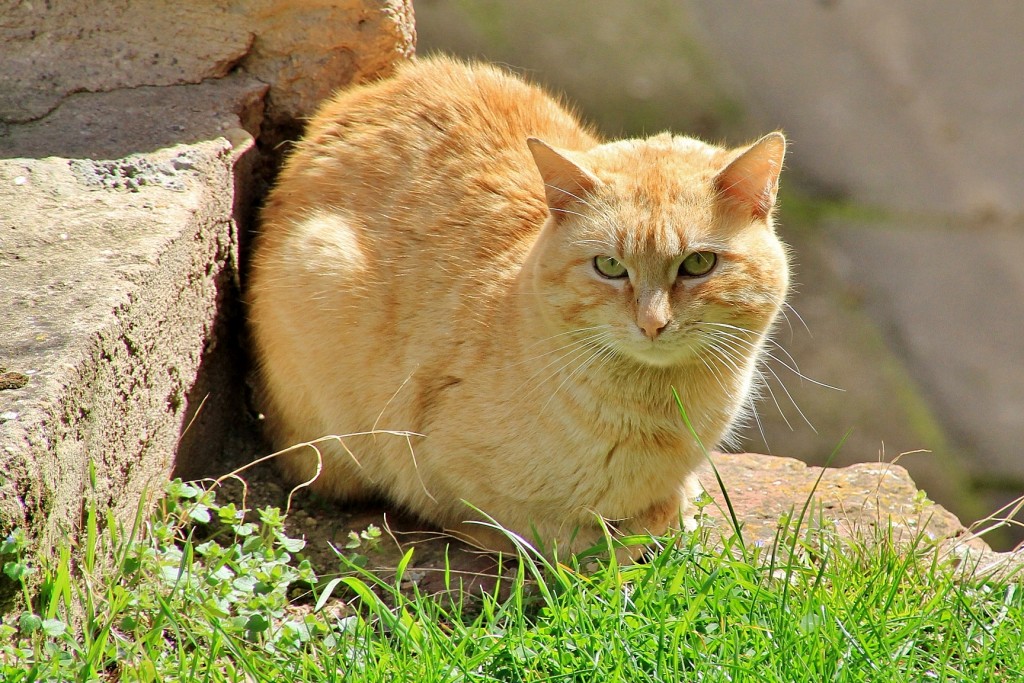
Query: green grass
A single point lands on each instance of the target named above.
(197, 593)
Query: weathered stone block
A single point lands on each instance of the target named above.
(119, 290)
(305, 49)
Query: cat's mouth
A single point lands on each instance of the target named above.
(661, 352)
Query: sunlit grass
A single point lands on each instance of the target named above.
(198, 593)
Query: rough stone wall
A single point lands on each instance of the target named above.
(303, 48)
(111, 302)
(127, 164)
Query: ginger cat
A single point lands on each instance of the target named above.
(450, 252)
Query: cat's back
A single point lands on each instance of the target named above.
(442, 136)
(469, 102)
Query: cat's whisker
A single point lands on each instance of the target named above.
(574, 213)
(578, 350)
(606, 213)
(714, 370)
(790, 397)
(768, 387)
(567, 332)
(734, 343)
(715, 346)
(598, 243)
(743, 331)
(752, 402)
(605, 360)
(578, 370)
(737, 348)
(779, 303)
(723, 350)
(784, 350)
(576, 343)
(785, 305)
(578, 198)
(722, 356)
(726, 357)
(793, 367)
(796, 371)
(758, 347)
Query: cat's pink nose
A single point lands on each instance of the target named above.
(653, 326)
(653, 312)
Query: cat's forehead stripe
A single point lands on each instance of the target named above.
(639, 230)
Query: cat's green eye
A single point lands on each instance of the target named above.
(698, 264)
(609, 267)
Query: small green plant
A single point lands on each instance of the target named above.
(198, 581)
(15, 570)
(366, 542)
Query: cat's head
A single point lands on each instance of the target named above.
(661, 248)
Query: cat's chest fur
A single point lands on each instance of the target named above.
(603, 440)
(502, 304)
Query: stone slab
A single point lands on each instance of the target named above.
(112, 125)
(55, 48)
(119, 293)
(864, 504)
(303, 48)
(857, 500)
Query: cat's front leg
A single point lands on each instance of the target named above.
(675, 513)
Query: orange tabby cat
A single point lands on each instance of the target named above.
(450, 252)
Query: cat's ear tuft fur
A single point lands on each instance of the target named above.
(565, 181)
(751, 181)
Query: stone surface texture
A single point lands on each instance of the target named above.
(113, 279)
(856, 499)
(304, 48)
(863, 504)
(906, 105)
(967, 344)
(127, 177)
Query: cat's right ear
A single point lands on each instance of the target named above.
(565, 182)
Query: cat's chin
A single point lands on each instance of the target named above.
(659, 355)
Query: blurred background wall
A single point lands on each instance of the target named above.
(903, 199)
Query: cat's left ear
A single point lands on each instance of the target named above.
(565, 181)
(751, 181)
